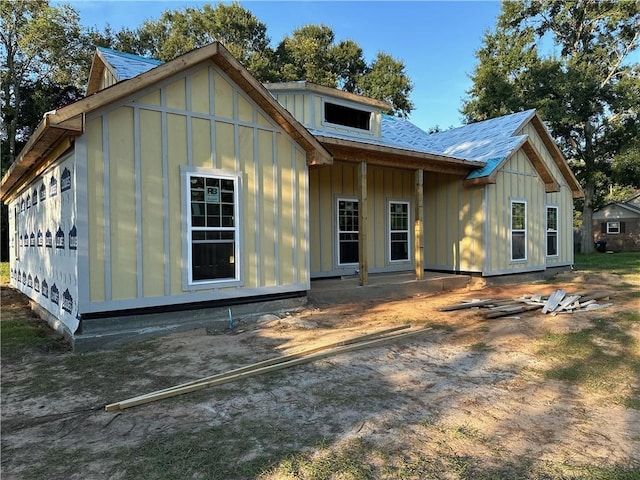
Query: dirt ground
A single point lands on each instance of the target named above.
(469, 389)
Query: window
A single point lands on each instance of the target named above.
(348, 231)
(398, 231)
(347, 116)
(213, 227)
(518, 230)
(613, 227)
(552, 231)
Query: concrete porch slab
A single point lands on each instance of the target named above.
(389, 286)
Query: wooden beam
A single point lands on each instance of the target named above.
(363, 225)
(418, 225)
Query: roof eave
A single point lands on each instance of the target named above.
(557, 156)
(354, 151)
(44, 140)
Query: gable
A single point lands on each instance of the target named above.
(68, 121)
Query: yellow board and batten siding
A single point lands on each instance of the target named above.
(516, 180)
(181, 123)
(327, 185)
(557, 199)
(449, 244)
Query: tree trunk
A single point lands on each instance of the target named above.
(587, 219)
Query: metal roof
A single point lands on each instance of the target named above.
(127, 65)
(489, 141)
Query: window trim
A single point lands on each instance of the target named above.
(338, 231)
(556, 231)
(188, 284)
(610, 231)
(390, 231)
(512, 231)
(326, 123)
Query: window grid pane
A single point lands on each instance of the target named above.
(518, 231)
(399, 231)
(552, 231)
(348, 231)
(213, 233)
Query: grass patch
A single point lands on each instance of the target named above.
(18, 337)
(603, 358)
(348, 463)
(5, 276)
(626, 263)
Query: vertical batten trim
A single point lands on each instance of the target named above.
(212, 120)
(276, 202)
(187, 84)
(485, 230)
(256, 206)
(138, 200)
(165, 194)
(82, 221)
(107, 208)
(306, 243)
(236, 129)
(294, 209)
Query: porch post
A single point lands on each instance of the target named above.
(362, 223)
(418, 226)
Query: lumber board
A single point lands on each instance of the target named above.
(524, 308)
(232, 377)
(282, 359)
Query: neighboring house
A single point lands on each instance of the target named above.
(189, 184)
(618, 224)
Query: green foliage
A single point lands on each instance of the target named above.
(386, 80)
(626, 166)
(587, 88)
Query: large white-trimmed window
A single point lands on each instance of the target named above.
(213, 234)
(348, 231)
(552, 231)
(518, 230)
(398, 231)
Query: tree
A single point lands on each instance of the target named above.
(37, 44)
(179, 31)
(386, 80)
(587, 89)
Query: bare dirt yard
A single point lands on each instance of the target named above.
(534, 397)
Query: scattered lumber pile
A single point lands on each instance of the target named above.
(271, 365)
(558, 302)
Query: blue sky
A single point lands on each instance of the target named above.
(436, 40)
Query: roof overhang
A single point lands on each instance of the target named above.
(48, 141)
(304, 86)
(550, 183)
(557, 156)
(69, 120)
(354, 151)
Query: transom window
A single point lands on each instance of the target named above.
(518, 230)
(213, 228)
(348, 231)
(347, 116)
(552, 231)
(398, 231)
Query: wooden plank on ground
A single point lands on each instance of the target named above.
(524, 308)
(231, 377)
